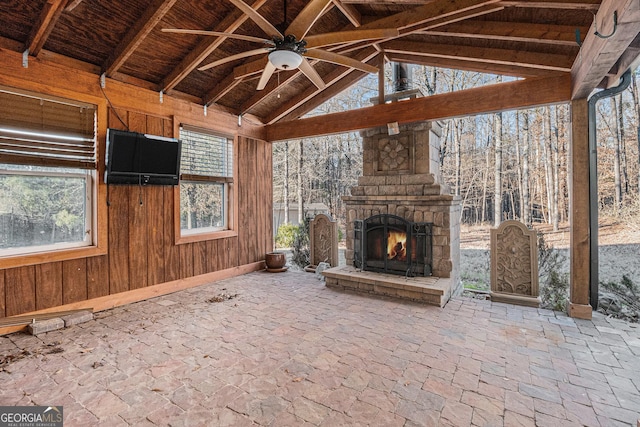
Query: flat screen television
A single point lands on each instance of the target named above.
(137, 158)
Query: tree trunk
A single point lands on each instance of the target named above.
(616, 157)
(636, 108)
(300, 192)
(431, 80)
(458, 162)
(555, 170)
(526, 210)
(563, 161)
(623, 150)
(497, 213)
(285, 185)
(548, 160)
(487, 167)
(519, 165)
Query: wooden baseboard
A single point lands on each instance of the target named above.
(128, 297)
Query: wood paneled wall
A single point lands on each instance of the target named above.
(141, 249)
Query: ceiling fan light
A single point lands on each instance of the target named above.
(285, 59)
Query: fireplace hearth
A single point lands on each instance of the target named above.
(390, 244)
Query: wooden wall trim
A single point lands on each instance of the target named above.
(136, 295)
(487, 99)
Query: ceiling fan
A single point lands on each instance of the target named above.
(289, 49)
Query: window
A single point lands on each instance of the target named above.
(206, 182)
(47, 173)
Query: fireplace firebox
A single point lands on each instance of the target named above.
(390, 244)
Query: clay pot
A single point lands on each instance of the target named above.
(275, 260)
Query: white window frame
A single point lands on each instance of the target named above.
(97, 190)
(229, 197)
(88, 176)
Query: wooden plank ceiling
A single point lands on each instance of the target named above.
(124, 40)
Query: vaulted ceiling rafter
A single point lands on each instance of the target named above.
(554, 4)
(473, 66)
(440, 12)
(416, 17)
(208, 44)
(563, 35)
(41, 30)
(544, 61)
(72, 4)
(136, 35)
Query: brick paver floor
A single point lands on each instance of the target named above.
(287, 351)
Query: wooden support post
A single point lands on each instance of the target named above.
(579, 212)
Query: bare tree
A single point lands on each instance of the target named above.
(526, 209)
(300, 189)
(636, 109)
(497, 213)
(285, 187)
(616, 158)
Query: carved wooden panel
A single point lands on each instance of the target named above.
(323, 240)
(514, 263)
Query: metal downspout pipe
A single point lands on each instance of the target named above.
(625, 80)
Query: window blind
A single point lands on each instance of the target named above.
(41, 129)
(205, 154)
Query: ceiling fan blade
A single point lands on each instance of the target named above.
(218, 34)
(266, 75)
(338, 59)
(266, 26)
(308, 70)
(306, 18)
(233, 58)
(339, 37)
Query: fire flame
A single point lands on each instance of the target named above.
(397, 245)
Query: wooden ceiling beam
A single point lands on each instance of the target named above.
(519, 58)
(383, 2)
(487, 99)
(630, 59)
(555, 4)
(41, 30)
(350, 12)
(251, 68)
(330, 80)
(223, 87)
(136, 35)
(563, 35)
(477, 67)
(462, 15)
(431, 24)
(348, 80)
(72, 4)
(441, 15)
(208, 44)
(599, 55)
(271, 88)
(437, 9)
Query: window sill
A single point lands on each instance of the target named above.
(23, 260)
(213, 235)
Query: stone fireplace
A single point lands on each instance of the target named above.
(402, 189)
